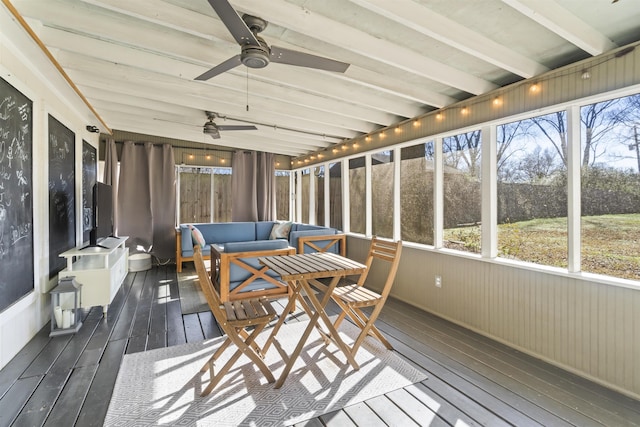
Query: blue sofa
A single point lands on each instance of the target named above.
(238, 245)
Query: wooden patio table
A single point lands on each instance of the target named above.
(301, 272)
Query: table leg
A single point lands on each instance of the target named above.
(291, 305)
(313, 322)
(292, 359)
(322, 313)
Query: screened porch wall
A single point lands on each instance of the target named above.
(581, 325)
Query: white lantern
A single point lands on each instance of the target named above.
(65, 307)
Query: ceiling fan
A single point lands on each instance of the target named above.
(255, 52)
(212, 129)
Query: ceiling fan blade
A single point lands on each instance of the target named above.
(234, 22)
(301, 59)
(220, 68)
(237, 127)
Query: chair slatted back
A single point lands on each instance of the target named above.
(210, 292)
(386, 251)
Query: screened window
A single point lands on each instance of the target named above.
(532, 190)
(205, 194)
(357, 195)
(382, 193)
(222, 195)
(335, 195)
(416, 193)
(195, 194)
(462, 191)
(610, 224)
(283, 194)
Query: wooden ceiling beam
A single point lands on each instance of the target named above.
(420, 18)
(557, 19)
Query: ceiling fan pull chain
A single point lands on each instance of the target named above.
(247, 88)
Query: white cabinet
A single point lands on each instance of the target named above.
(100, 270)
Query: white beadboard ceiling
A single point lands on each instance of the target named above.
(136, 60)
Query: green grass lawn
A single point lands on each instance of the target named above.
(610, 243)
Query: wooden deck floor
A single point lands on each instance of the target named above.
(66, 381)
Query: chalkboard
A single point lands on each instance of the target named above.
(62, 200)
(16, 203)
(89, 174)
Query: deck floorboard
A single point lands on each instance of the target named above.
(472, 380)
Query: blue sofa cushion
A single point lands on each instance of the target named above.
(263, 229)
(305, 227)
(257, 245)
(224, 232)
(323, 231)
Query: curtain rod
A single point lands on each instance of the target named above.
(184, 147)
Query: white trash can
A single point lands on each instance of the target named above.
(139, 262)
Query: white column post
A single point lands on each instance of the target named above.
(438, 194)
(573, 189)
(397, 230)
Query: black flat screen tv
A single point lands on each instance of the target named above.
(102, 214)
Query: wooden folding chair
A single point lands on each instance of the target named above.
(352, 298)
(234, 317)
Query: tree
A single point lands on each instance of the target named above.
(537, 165)
(599, 120)
(464, 147)
(553, 126)
(507, 138)
(631, 123)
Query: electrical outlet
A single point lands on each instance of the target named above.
(438, 281)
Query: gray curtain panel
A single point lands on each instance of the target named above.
(111, 175)
(266, 187)
(253, 185)
(146, 198)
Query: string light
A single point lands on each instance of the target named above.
(497, 101)
(368, 138)
(464, 111)
(416, 123)
(397, 129)
(382, 135)
(534, 88)
(439, 116)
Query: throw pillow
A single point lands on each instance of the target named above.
(197, 237)
(280, 230)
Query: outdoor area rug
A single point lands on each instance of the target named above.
(162, 387)
(192, 299)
